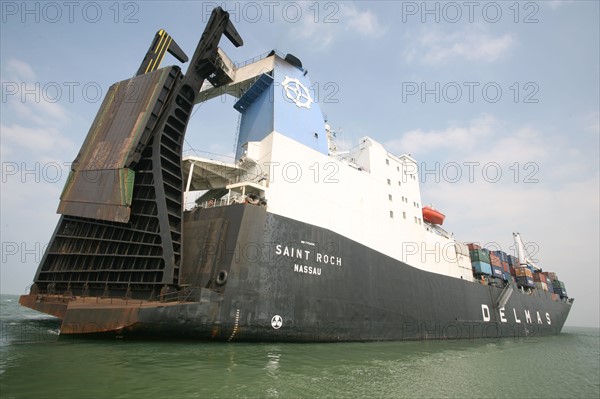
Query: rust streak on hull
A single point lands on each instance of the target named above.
(90, 315)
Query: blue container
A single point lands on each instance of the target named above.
(530, 282)
(506, 276)
(525, 281)
(497, 272)
(550, 288)
(531, 268)
(480, 267)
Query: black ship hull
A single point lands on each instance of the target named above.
(250, 275)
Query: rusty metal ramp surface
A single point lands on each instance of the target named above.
(100, 184)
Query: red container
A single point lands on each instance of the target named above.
(550, 276)
(472, 246)
(523, 272)
(505, 266)
(495, 261)
(512, 271)
(539, 277)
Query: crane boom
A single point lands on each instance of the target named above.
(524, 260)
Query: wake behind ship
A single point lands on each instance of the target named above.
(274, 248)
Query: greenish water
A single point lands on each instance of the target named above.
(34, 362)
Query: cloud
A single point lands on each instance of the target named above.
(433, 46)
(30, 100)
(554, 4)
(20, 70)
(35, 140)
(32, 122)
(523, 154)
(522, 144)
(419, 141)
(363, 22)
(37, 110)
(335, 21)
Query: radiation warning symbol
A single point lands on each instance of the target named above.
(297, 92)
(276, 322)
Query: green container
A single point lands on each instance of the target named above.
(558, 284)
(480, 255)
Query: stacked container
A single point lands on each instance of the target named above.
(501, 265)
(554, 285)
(480, 260)
(524, 277)
(559, 288)
(540, 281)
(496, 265)
(551, 275)
(503, 256)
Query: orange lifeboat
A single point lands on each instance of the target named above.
(433, 216)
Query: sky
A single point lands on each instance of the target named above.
(498, 102)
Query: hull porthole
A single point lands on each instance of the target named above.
(222, 277)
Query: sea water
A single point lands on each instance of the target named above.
(36, 363)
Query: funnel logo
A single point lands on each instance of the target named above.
(297, 92)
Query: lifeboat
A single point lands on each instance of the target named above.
(433, 216)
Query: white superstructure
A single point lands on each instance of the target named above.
(286, 156)
(367, 195)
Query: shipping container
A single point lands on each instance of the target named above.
(480, 267)
(525, 281)
(506, 276)
(480, 255)
(551, 275)
(530, 267)
(496, 272)
(494, 260)
(558, 284)
(502, 255)
(472, 246)
(523, 272)
(541, 286)
(561, 292)
(539, 277)
(550, 286)
(530, 281)
(505, 266)
(513, 261)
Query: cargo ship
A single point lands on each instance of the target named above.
(292, 240)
